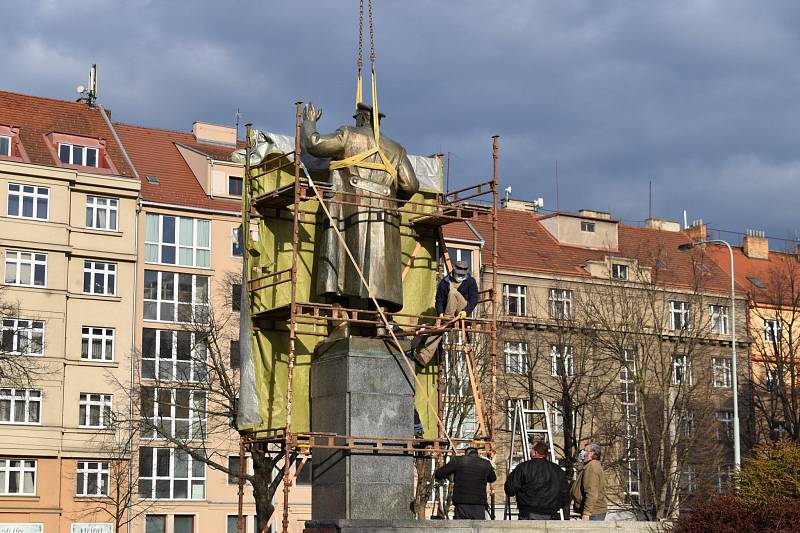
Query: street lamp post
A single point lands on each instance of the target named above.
(737, 452)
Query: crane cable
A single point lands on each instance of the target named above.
(360, 160)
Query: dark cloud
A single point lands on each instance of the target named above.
(697, 96)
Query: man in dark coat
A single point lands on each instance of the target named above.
(471, 473)
(540, 486)
(456, 296)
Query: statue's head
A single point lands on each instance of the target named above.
(363, 115)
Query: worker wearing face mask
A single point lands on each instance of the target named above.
(589, 488)
(456, 296)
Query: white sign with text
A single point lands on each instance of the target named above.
(91, 528)
(21, 528)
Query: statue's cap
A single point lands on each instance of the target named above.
(361, 106)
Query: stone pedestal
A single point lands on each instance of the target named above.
(361, 387)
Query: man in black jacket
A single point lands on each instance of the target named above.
(470, 473)
(540, 486)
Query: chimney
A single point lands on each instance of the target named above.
(591, 213)
(697, 231)
(755, 244)
(213, 134)
(662, 225)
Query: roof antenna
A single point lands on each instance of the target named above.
(89, 94)
(558, 199)
(650, 200)
(236, 118)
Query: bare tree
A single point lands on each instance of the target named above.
(22, 341)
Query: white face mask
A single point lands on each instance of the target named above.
(582, 455)
(459, 277)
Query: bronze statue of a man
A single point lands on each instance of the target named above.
(371, 229)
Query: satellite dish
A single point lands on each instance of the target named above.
(81, 89)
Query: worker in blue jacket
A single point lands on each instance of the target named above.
(456, 296)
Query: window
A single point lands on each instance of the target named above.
(97, 344)
(461, 254)
(237, 249)
(560, 304)
(721, 371)
(23, 337)
(724, 475)
(526, 404)
(92, 479)
(173, 355)
(771, 380)
(27, 201)
(232, 523)
(20, 406)
(26, 268)
(234, 464)
(681, 370)
(689, 479)
(719, 319)
(180, 241)
(619, 271)
(95, 410)
(772, 330)
(153, 180)
(678, 315)
(101, 213)
(171, 474)
(99, 278)
(561, 361)
(183, 523)
(687, 425)
(514, 299)
(236, 355)
(516, 357)
(756, 282)
(557, 415)
(587, 226)
(177, 413)
(5, 145)
(235, 184)
(155, 523)
(17, 476)
(627, 383)
(236, 296)
(725, 425)
(74, 154)
(172, 297)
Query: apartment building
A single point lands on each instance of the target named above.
(595, 316)
(68, 240)
(190, 264)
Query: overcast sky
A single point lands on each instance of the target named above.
(701, 97)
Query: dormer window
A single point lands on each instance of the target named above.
(5, 145)
(74, 154)
(587, 226)
(619, 271)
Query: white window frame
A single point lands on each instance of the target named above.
(25, 334)
(27, 397)
(719, 319)
(84, 150)
(519, 294)
(724, 475)
(773, 330)
(560, 304)
(679, 312)
(557, 415)
(19, 192)
(199, 310)
(722, 372)
(771, 380)
(687, 425)
(588, 226)
(689, 479)
(682, 363)
(98, 205)
(99, 271)
(164, 415)
(174, 366)
(565, 355)
(526, 404)
(516, 355)
(6, 152)
(20, 258)
(97, 337)
(91, 469)
(619, 271)
(725, 420)
(91, 401)
(154, 249)
(191, 478)
(237, 242)
(23, 466)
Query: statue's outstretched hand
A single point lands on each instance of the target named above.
(310, 112)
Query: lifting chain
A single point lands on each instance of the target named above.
(371, 36)
(360, 36)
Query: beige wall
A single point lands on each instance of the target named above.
(57, 442)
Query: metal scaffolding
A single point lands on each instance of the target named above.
(290, 203)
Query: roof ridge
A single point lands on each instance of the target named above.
(50, 98)
(139, 126)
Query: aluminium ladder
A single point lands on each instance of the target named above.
(520, 427)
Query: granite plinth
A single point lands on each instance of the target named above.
(479, 526)
(362, 387)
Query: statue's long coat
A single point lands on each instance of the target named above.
(372, 233)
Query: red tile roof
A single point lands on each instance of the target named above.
(525, 245)
(37, 116)
(154, 153)
(776, 273)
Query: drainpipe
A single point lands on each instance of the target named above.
(133, 349)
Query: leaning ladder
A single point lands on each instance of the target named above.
(520, 427)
